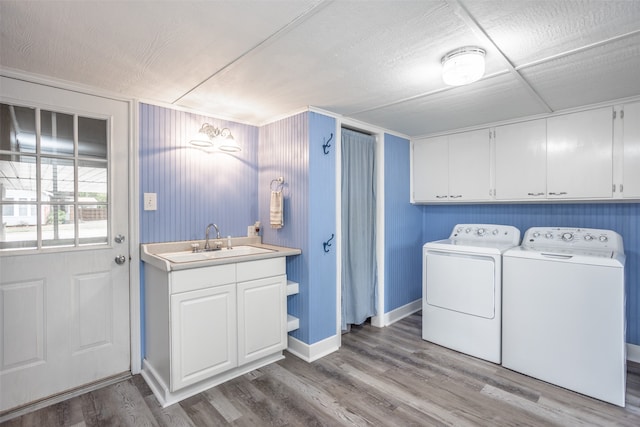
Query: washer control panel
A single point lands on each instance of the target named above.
(486, 233)
(588, 241)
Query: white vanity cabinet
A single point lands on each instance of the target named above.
(206, 325)
(453, 168)
(521, 160)
(580, 155)
(631, 150)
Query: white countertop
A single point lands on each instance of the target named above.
(149, 253)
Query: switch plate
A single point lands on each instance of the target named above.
(150, 202)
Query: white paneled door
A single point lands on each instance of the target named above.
(64, 241)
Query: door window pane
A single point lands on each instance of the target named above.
(17, 128)
(92, 137)
(56, 136)
(59, 225)
(57, 196)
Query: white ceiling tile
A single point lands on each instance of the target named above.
(532, 30)
(597, 75)
(490, 100)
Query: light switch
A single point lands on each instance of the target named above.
(150, 202)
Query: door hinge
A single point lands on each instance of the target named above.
(621, 188)
(622, 114)
(614, 114)
(613, 188)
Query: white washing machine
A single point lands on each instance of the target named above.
(461, 288)
(563, 310)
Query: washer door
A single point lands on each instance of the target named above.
(461, 282)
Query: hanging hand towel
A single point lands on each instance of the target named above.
(276, 209)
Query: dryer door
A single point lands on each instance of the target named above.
(465, 283)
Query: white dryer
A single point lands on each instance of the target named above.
(563, 310)
(461, 288)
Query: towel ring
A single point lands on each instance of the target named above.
(279, 181)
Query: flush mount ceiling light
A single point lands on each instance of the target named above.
(211, 136)
(463, 66)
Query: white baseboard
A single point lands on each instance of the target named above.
(633, 352)
(399, 313)
(311, 352)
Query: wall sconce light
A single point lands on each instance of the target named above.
(463, 66)
(211, 136)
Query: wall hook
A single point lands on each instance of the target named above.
(326, 145)
(327, 244)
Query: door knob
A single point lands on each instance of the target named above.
(121, 259)
(119, 238)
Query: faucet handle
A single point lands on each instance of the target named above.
(195, 247)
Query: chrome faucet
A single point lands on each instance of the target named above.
(206, 236)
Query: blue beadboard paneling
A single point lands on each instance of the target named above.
(402, 228)
(194, 187)
(623, 218)
(292, 148)
(284, 151)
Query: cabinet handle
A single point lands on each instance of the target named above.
(536, 194)
(457, 196)
(551, 193)
(441, 197)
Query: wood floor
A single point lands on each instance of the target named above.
(380, 377)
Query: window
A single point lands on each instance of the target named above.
(53, 179)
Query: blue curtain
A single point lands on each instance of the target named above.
(359, 279)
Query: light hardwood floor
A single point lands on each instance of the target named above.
(380, 377)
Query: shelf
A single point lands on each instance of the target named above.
(292, 287)
(293, 323)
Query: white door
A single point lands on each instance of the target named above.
(64, 300)
(262, 318)
(431, 169)
(521, 160)
(469, 165)
(580, 155)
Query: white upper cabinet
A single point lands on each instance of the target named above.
(521, 160)
(631, 151)
(469, 166)
(431, 169)
(580, 155)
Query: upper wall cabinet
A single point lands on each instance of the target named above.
(521, 160)
(631, 151)
(452, 168)
(580, 155)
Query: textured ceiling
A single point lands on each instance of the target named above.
(375, 61)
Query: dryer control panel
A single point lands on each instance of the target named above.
(490, 233)
(586, 241)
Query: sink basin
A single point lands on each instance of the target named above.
(186, 256)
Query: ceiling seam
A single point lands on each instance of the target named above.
(464, 14)
(312, 10)
(578, 50)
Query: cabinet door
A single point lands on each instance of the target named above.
(521, 160)
(631, 160)
(469, 166)
(430, 169)
(203, 334)
(262, 318)
(580, 155)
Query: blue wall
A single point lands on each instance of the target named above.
(194, 188)
(292, 148)
(402, 229)
(623, 218)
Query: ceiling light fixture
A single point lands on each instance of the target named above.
(463, 66)
(211, 136)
